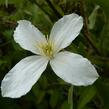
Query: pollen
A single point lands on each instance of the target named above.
(47, 50)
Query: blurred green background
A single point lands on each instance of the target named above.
(50, 92)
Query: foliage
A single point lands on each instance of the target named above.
(50, 92)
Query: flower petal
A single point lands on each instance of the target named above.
(66, 30)
(74, 69)
(28, 36)
(23, 76)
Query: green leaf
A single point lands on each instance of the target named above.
(6, 3)
(54, 98)
(38, 94)
(104, 4)
(104, 42)
(92, 17)
(65, 105)
(102, 87)
(86, 96)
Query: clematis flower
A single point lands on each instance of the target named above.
(71, 67)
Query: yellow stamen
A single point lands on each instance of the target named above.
(47, 49)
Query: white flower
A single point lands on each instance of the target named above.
(71, 67)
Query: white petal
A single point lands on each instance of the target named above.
(74, 69)
(23, 76)
(66, 30)
(28, 36)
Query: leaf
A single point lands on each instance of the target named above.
(86, 96)
(104, 4)
(102, 87)
(92, 17)
(65, 105)
(54, 98)
(6, 3)
(105, 39)
(38, 94)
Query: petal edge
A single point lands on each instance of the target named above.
(74, 69)
(28, 36)
(65, 30)
(23, 76)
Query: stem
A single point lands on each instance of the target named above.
(54, 9)
(85, 28)
(70, 97)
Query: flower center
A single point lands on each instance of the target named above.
(47, 50)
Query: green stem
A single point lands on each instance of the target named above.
(70, 97)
